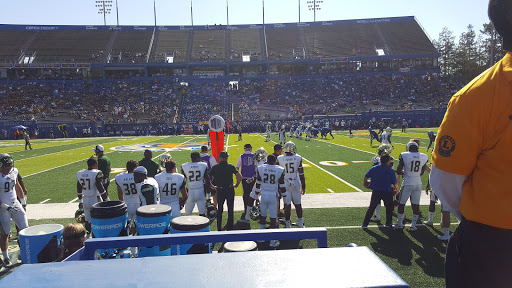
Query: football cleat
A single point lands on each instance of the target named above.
(289, 147)
(255, 211)
(211, 211)
(413, 229)
(80, 216)
(164, 158)
(260, 154)
(443, 237)
(428, 223)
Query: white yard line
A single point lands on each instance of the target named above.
(345, 147)
(336, 177)
(227, 143)
(73, 200)
(76, 161)
(42, 202)
(330, 190)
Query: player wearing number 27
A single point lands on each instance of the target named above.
(198, 182)
(89, 187)
(170, 184)
(412, 165)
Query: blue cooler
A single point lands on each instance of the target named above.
(109, 219)
(153, 220)
(240, 246)
(188, 224)
(40, 243)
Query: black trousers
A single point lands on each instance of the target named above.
(247, 192)
(225, 194)
(479, 255)
(377, 196)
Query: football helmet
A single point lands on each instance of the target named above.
(211, 211)
(430, 132)
(376, 160)
(255, 211)
(289, 147)
(5, 160)
(282, 127)
(269, 123)
(164, 158)
(80, 216)
(384, 148)
(389, 129)
(260, 154)
(412, 143)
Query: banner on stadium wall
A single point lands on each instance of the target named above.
(53, 65)
(83, 65)
(21, 65)
(405, 70)
(6, 65)
(37, 65)
(68, 65)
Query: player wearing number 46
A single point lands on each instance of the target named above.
(198, 183)
(295, 183)
(89, 188)
(171, 184)
(127, 192)
(412, 165)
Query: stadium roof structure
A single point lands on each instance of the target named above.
(46, 46)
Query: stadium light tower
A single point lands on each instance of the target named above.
(104, 7)
(314, 5)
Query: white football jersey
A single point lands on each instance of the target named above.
(385, 137)
(88, 180)
(291, 165)
(195, 173)
(413, 162)
(170, 185)
(129, 187)
(148, 191)
(8, 184)
(268, 176)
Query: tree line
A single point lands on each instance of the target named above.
(473, 53)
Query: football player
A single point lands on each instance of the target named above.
(10, 208)
(412, 165)
(268, 130)
(104, 166)
(282, 135)
(445, 215)
(260, 157)
(89, 188)
(386, 137)
(295, 182)
(298, 132)
(147, 187)
(432, 138)
(291, 131)
(270, 184)
(325, 131)
(169, 183)
(198, 183)
(373, 135)
(127, 192)
(307, 131)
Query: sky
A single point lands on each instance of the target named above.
(433, 15)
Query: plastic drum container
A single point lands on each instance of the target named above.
(189, 224)
(153, 220)
(40, 243)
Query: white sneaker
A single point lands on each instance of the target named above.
(375, 219)
(274, 243)
(428, 223)
(443, 237)
(7, 263)
(412, 229)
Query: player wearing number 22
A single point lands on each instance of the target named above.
(89, 187)
(295, 183)
(170, 184)
(198, 183)
(412, 165)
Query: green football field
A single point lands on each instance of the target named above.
(331, 166)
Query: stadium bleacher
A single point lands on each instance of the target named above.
(208, 45)
(12, 44)
(282, 42)
(131, 46)
(245, 42)
(406, 38)
(171, 43)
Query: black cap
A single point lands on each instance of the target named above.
(278, 147)
(247, 146)
(223, 155)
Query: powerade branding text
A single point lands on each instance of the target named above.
(152, 225)
(107, 227)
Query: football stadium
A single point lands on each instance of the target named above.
(318, 106)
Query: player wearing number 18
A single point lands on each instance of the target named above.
(127, 192)
(169, 183)
(412, 165)
(89, 187)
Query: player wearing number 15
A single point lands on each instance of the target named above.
(170, 184)
(127, 192)
(412, 165)
(89, 187)
(198, 181)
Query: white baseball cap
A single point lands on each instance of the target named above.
(98, 148)
(141, 170)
